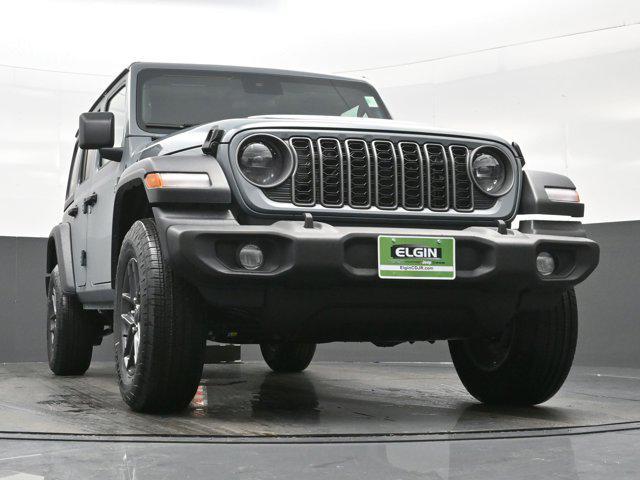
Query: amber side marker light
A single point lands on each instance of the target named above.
(177, 180)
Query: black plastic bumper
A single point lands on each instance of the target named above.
(329, 254)
(321, 284)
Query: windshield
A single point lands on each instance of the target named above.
(174, 99)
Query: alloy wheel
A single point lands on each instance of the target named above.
(53, 316)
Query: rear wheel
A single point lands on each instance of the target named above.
(159, 329)
(525, 365)
(288, 357)
(70, 331)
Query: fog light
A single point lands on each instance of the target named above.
(250, 257)
(545, 263)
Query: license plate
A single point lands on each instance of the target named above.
(417, 258)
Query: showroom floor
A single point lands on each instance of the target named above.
(348, 420)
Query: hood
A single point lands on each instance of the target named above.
(194, 137)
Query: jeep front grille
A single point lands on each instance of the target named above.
(387, 175)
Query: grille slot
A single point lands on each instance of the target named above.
(331, 175)
(438, 171)
(358, 173)
(304, 178)
(386, 174)
(462, 187)
(412, 176)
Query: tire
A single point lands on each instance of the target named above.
(288, 357)
(159, 328)
(528, 364)
(70, 331)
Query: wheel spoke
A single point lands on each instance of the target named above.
(128, 346)
(136, 346)
(51, 323)
(128, 320)
(54, 302)
(128, 298)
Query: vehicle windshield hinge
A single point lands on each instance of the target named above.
(210, 145)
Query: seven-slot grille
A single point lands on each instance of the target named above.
(383, 174)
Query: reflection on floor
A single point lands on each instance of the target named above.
(347, 420)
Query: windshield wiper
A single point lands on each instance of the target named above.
(169, 125)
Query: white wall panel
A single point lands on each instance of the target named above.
(561, 78)
(572, 103)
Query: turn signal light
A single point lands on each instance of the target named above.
(562, 195)
(177, 180)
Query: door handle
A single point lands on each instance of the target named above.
(90, 200)
(73, 211)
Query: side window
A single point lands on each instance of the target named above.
(76, 163)
(116, 105)
(88, 163)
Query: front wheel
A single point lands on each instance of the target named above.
(288, 357)
(528, 363)
(159, 329)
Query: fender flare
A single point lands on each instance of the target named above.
(60, 244)
(534, 199)
(218, 193)
(132, 178)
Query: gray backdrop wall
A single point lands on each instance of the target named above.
(609, 303)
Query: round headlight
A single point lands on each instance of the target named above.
(491, 170)
(264, 161)
(488, 173)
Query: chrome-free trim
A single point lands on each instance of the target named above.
(322, 202)
(402, 177)
(313, 172)
(395, 168)
(369, 185)
(446, 175)
(453, 171)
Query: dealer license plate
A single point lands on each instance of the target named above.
(417, 258)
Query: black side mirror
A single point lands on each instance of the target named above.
(113, 154)
(96, 130)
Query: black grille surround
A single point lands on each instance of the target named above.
(381, 174)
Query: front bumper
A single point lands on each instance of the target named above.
(330, 255)
(321, 284)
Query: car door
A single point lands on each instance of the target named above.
(75, 213)
(100, 218)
